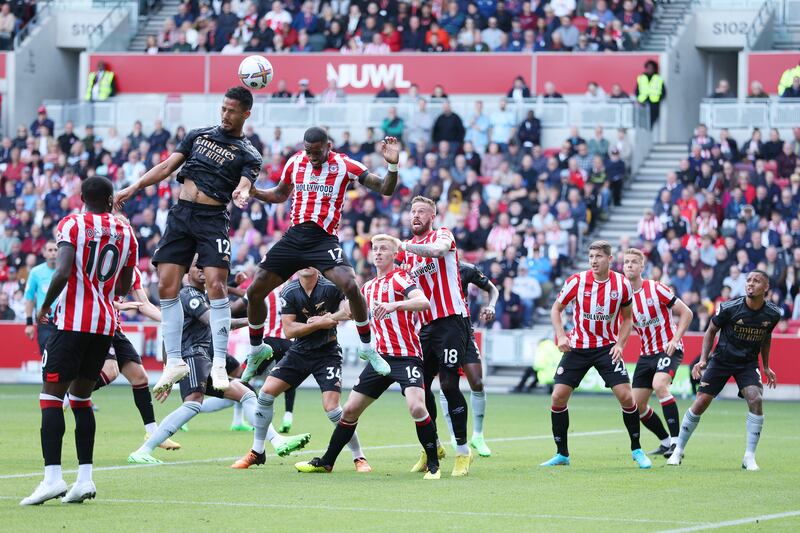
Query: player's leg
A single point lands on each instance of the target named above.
(169, 285)
(264, 282)
(330, 403)
(643, 383)
(426, 429)
(559, 419)
(665, 370)
(630, 416)
(754, 424)
(474, 373)
(344, 277)
(108, 373)
(137, 376)
(219, 320)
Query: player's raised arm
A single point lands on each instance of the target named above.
(437, 248)
(65, 259)
(157, 174)
(390, 149)
(488, 311)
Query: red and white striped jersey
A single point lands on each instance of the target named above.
(273, 326)
(397, 333)
(652, 316)
(438, 277)
(135, 284)
(319, 193)
(649, 229)
(597, 305)
(104, 245)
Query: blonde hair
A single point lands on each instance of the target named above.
(635, 251)
(424, 200)
(384, 238)
(602, 246)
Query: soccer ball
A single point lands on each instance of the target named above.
(255, 72)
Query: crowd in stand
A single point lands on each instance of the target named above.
(729, 208)
(14, 14)
(517, 210)
(385, 26)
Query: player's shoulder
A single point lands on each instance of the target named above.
(773, 311)
(248, 148)
(463, 266)
(733, 303)
(205, 130)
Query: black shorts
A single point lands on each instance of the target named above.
(444, 344)
(576, 363)
(199, 377)
(195, 228)
(122, 350)
(72, 354)
(303, 246)
(231, 364)
(649, 365)
(473, 356)
(279, 349)
(296, 367)
(43, 334)
(406, 371)
(718, 372)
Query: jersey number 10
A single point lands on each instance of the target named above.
(106, 267)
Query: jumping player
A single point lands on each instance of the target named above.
(654, 305)
(394, 299)
(219, 164)
(470, 274)
(746, 325)
(431, 259)
(96, 256)
(197, 341)
(312, 308)
(319, 178)
(123, 358)
(601, 296)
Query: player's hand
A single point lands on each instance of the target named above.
(671, 347)
(43, 316)
(123, 196)
(563, 343)
(390, 149)
(163, 395)
(697, 370)
(240, 278)
(240, 197)
(616, 353)
(487, 314)
(129, 306)
(380, 311)
(772, 379)
(29, 331)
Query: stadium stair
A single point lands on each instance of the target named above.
(640, 193)
(787, 37)
(153, 24)
(666, 21)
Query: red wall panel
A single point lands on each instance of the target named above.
(571, 72)
(142, 73)
(768, 67)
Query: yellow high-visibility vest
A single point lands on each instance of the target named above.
(650, 89)
(104, 91)
(786, 78)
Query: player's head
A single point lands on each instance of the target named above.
(757, 284)
(97, 194)
(600, 257)
(633, 263)
(236, 106)
(197, 277)
(317, 145)
(384, 250)
(423, 211)
(50, 252)
(308, 273)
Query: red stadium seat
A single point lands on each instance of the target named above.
(581, 23)
(771, 165)
(550, 152)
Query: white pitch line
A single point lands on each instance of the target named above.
(306, 452)
(428, 512)
(738, 522)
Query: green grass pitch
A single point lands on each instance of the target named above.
(602, 490)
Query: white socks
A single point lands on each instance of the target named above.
(754, 424)
(220, 322)
(478, 401)
(688, 425)
(172, 328)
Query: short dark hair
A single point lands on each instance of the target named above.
(763, 274)
(601, 246)
(315, 134)
(96, 191)
(241, 95)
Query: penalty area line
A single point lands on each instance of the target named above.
(737, 522)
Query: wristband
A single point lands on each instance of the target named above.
(392, 167)
(29, 321)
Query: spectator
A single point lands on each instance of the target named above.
(604, 15)
(793, 91)
(615, 170)
(276, 18)
(8, 24)
(376, 45)
(773, 146)
(158, 139)
(393, 125)
(334, 37)
(388, 91)
(478, 129)
(787, 78)
(757, 90)
(414, 35)
(306, 19)
(42, 120)
(492, 34)
(101, 84)
(510, 312)
(448, 127)
(303, 94)
(184, 14)
(332, 94)
(6, 313)
(453, 20)
(598, 145)
(550, 92)
(529, 290)
(563, 8)
(567, 32)
(519, 91)
(594, 94)
(617, 93)
(786, 161)
(529, 131)
(502, 124)
(282, 91)
(723, 90)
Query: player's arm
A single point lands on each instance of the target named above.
(415, 301)
(239, 307)
(236, 323)
(155, 175)
(488, 311)
(146, 307)
(64, 261)
(438, 248)
(343, 314)
(294, 329)
(558, 325)
(274, 195)
(390, 149)
(625, 329)
(684, 314)
(124, 281)
(30, 305)
(242, 192)
(708, 344)
(772, 380)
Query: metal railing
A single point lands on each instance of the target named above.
(778, 113)
(43, 9)
(760, 22)
(104, 29)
